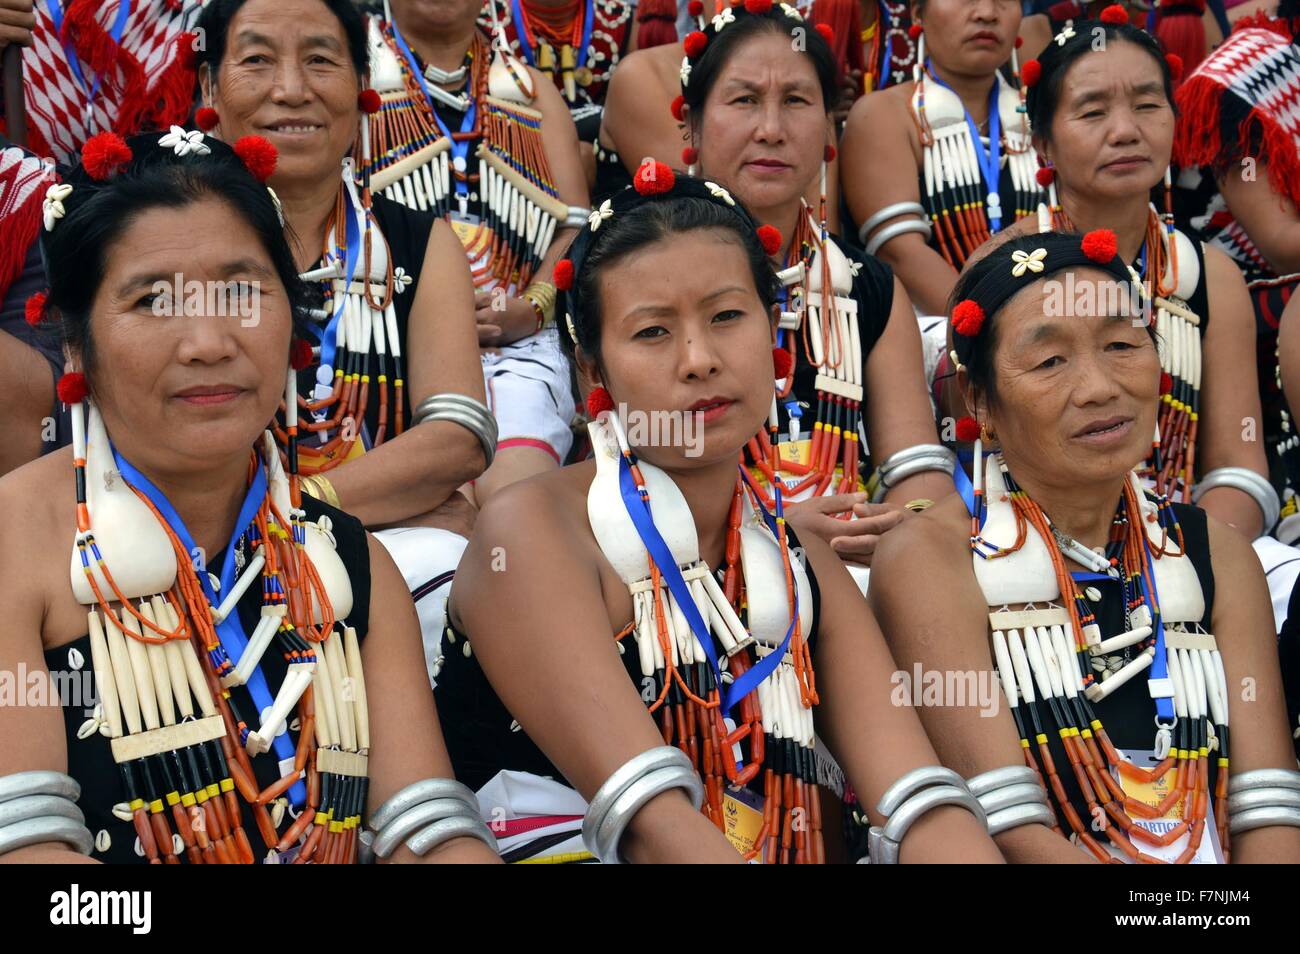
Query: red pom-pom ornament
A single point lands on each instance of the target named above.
(1166, 382)
(654, 178)
(103, 153)
(968, 429)
(1114, 14)
(769, 236)
(1045, 176)
(695, 43)
(1030, 73)
(1020, 41)
(258, 155)
(1175, 66)
(690, 156)
(300, 355)
(826, 32)
(782, 362)
(678, 103)
(72, 388)
(828, 154)
(1100, 245)
(695, 8)
(206, 118)
(758, 7)
(34, 309)
(915, 31)
(368, 101)
(562, 276)
(967, 318)
(599, 401)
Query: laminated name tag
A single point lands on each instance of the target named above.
(1209, 852)
(743, 812)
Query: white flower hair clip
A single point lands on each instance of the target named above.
(1064, 35)
(1027, 261)
(686, 70)
(183, 143)
(52, 207)
(791, 12)
(720, 193)
(606, 211)
(722, 19)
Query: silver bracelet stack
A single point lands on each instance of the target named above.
(41, 806)
(1011, 797)
(903, 804)
(465, 411)
(1248, 482)
(910, 461)
(624, 793)
(1263, 797)
(425, 814)
(917, 221)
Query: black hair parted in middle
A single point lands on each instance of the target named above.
(1044, 97)
(214, 26)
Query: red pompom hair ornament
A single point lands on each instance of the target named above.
(1100, 245)
(695, 8)
(828, 154)
(1114, 15)
(300, 355)
(1020, 41)
(34, 309)
(968, 429)
(967, 318)
(598, 401)
(258, 155)
(695, 43)
(690, 156)
(826, 32)
(368, 101)
(1030, 72)
(1175, 66)
(782, 363)
(758, 7)
(206, 118)
(654, 178)
(103, 153)
(769, 236)
(72, 388)
(915, 31)
(1166, 382)
(562, 276)
(676, 107)
(1045, 176)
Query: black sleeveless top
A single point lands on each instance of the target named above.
(90, 760)
(1129, 713)
(407, 233)
(476, 725)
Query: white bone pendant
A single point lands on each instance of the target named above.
(509, 80)
(1025, 576)
(768, 606)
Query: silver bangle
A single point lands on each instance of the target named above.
(38, 806)
(1264, 778)
(912, 782)
(417, 793)
(1263, 798)
(1255, 818)
(39, 782)
(891, 232)
(470, 414)
(576, 217)
(413, 820)
(1009, 796)
(1248, 482)
(899, 458)
(458, 826)
(633, 798)
(884, 842)
(980, 785)
(1028, 813)
(35, 831)
(651, 760)
(882, 216)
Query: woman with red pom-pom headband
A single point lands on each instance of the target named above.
(846, 328)
(1056, 561)
(671, 300)
(176, 296)
(1105, 175)
(915, 202)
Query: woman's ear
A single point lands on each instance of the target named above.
(589, 375)
(774, 320)
(1042, 147)
(205, 84)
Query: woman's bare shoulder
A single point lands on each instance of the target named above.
(36, 500)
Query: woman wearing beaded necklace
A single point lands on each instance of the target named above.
(181, 549)
(932, 167)
(1105, 604)
(394, 332)
(1103, 123)
(755, 108)
(670, 299)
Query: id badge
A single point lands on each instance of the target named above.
(743, 813)
(1209, 852)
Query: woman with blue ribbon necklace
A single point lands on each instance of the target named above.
(247, 660)
(1121, 625)
(736, 646)
(932, 167)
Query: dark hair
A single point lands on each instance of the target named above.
(214, 24)
(97, 213)
(1044, 96)
(706, 68)
(630, 231)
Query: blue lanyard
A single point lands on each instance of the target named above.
(884, 23)
(965, 488)
(459, 148)
(329, 337)
(588, 21)
(990, 160)
(1160, 664)
(118, 28)
(230, 631)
